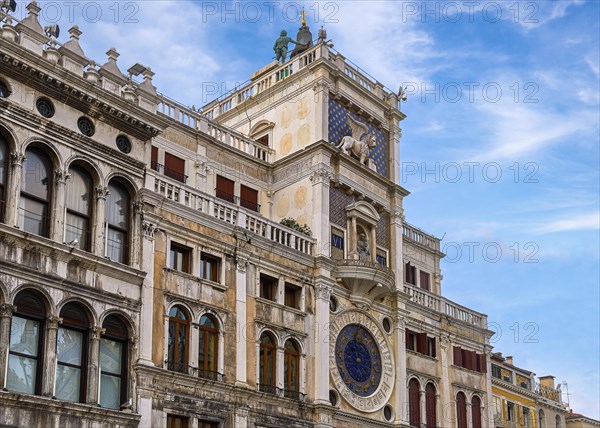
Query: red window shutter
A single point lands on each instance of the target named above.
(407, 338)
(424, 280)
(414, 403)
(457, 356)
(422, 343)
(430, 406)
(473, 360)
(154, 159)
(225, 188)
(249, 198)
(482, 363)
(174, 167)
(407, 272)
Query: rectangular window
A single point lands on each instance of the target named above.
(268, 287)
(381, 257)
(225, 189)
(210, 267)
(411, 340)
(470, 360)
(496, 371)
(263, 140)
(431, 347)
(337, 244)
(154, 159)
(174, 421)
(410, 274)
(424, 277)
(249, 198)
(180, 258)
(175, 167)
(292, 296)
(510, 411)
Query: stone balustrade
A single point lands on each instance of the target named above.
(416, 235)
(232, 214)
(445, 306)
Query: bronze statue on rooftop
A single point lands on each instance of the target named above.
(281, 46)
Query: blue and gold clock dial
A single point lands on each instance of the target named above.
(358, 360)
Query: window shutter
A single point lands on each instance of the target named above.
(424, 280)
(248, 198)
(457, 356)
(422, 343)
(174, 167)
(482, 363)
(407, 338)
(406, 272)
(225, 188)
(154, 158)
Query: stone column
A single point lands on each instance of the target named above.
(321, 334)
(469, 414)
(99, 228)
(93, 373)
(14, 189)
(57, 224)
(321, 110)
(320, 215)
(147, 311)
(400, 386)
(136, 237)
(396, 256)
(373, 244)
(448, 405)
(6, 312)
(241, 321)
(352, 238)
(422, 405)
(279, 369)
(438, 412)
(489, 402)
(50, 356)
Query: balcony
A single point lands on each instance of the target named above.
(286, 393)
(233, 214)
(445, 306)
(367, 281)
(419, 237)
(194, 371)
(176, 175)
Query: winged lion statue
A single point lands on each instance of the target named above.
(360, 144)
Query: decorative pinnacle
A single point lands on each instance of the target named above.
(303, 18)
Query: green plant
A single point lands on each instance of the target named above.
(293, 224)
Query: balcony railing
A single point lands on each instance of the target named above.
(416, 235)
(287, 393)
(194, 371)
(176, 175)
(232, 214)
(269, 389)
(445, 306)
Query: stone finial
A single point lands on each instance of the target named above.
(8, 31)
(147, 85)
(111, 66)
(73, 43)
(31, 20)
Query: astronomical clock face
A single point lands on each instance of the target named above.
(361, 364)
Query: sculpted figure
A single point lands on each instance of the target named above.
(362, 247)
(360, 143)
(281, 46)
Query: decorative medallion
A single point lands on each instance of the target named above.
(360, 360)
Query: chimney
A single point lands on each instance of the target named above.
(509, 360)
(547, 381)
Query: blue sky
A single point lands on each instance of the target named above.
(503, 112)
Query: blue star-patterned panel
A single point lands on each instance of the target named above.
(358, 360)
(338, 129)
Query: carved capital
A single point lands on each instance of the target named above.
(53, 322)
(399, 322)
(149, 230)
(241, 264)
(321, 86)
(323, 292)
(17, 159)
(102, 192)
(7, 310)
(97, 332)
(61, 176)
(398, 217)
(138, 207)
(320, 176)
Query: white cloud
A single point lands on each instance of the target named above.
(584, 221)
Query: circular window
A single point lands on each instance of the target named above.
(387, 325)
(86, 127)
(333, 304)
(4, 91)
(388, 413)
(44, 107)
(333, 397)
(124, 144)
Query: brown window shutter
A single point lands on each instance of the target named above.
(407, 338)
(249, 198)
(174, 167)
(424, 280)
(406, 272)
(482, 363)
(225, 188)
(154, 159)
(422, 343)
(457, 356)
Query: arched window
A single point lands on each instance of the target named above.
(414, 407)
(117, 223)
(461, 410)
(542, 419)
(208, 355)
(36, 185)
(26, 338)
(291, 370)
(179, 328)
(71, 354)
(476, 411)
(79, 208)
(268, 351)
(113, 363)
(3, 172)
(430, 405)
(558, 422)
